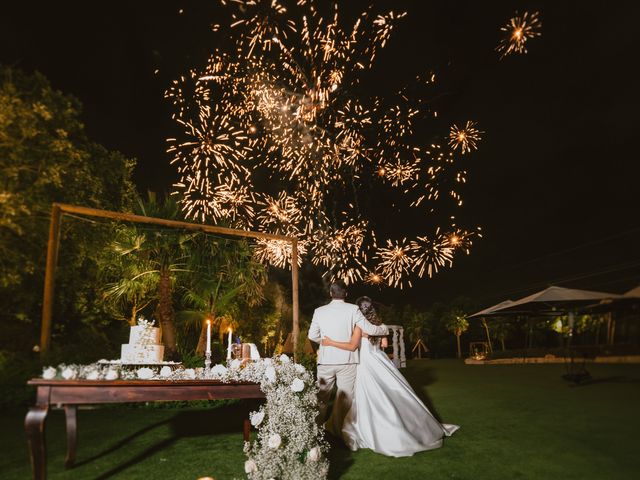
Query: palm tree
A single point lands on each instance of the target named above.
(457, 324)
(486, 329)
(417, 328)
(149, 260)
(135, 287)
(500, 327)
(222, 278)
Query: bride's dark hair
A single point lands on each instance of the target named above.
(366, 307)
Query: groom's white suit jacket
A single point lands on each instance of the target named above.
(337, 321)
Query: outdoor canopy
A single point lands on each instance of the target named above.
(621, 302)
(550, 301)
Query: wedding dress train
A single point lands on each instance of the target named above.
(387, 416)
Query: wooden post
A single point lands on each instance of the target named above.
(295, 331)
(49, 278)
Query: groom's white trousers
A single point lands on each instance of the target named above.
(344, 378)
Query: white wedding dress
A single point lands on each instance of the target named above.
(387, 416)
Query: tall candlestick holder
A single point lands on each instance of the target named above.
(207, 363)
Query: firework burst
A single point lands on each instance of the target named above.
(275, 135)
(465, 138)
(395, 262)
(517, 32)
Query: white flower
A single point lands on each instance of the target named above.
(314, 454)
(49, 373)
(284, 358)
(299, 368)
(297, 385)
(267, 361)
(93, 375)
(250, 466)
(144, 373)
(190, 373)
(235, 364)
(219, 370)
(256, 418)
(69, 373)
(165, 371)
(112, 374)
(270, 374)
(274, 441)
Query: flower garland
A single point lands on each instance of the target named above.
(289, 443)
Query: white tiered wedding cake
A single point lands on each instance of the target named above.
(144, 345)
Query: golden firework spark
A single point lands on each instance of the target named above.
(277, 252)
(432, 253)
(466, 138)
(395, 262)
(374, 278)
(517, 32)
(276, 135)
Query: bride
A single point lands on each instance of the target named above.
(386, 416)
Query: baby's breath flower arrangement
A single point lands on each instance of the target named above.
(289, 444)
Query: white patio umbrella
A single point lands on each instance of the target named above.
(550, 301)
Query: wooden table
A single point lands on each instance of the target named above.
(71, 393)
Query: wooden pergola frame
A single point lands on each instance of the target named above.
(59, 209)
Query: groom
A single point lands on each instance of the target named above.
(336, 367)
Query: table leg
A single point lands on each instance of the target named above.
(246, 429)
(70, 412)
(34, 425)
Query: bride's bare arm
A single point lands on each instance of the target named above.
(351, 345)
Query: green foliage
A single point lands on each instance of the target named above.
(500, 329)
(222, 283)
(457, 323)
(45, 157)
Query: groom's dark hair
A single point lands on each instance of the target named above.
(338, 290)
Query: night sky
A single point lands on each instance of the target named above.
(554, 183)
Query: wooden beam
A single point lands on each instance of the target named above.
(295, 331)
(130, 217)
(49, 278)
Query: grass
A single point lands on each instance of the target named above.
(518, 422)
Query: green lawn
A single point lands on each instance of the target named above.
(518, 421)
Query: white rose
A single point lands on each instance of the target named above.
(235, 364)
(190, 373)
(314, 454)
(256, 418)
(284, 358)
(144, 373)
(297, 385)
(270, 374)
(165, 371)
(299, 368)
(49, 373)
(112, 374)
(274, 441)
(93, 375)
(267, 361)
(250, 466)
(69, 373)
(219, 370)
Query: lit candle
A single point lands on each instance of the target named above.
(229, 346)
(208, 336)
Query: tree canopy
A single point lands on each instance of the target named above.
(45, 157)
